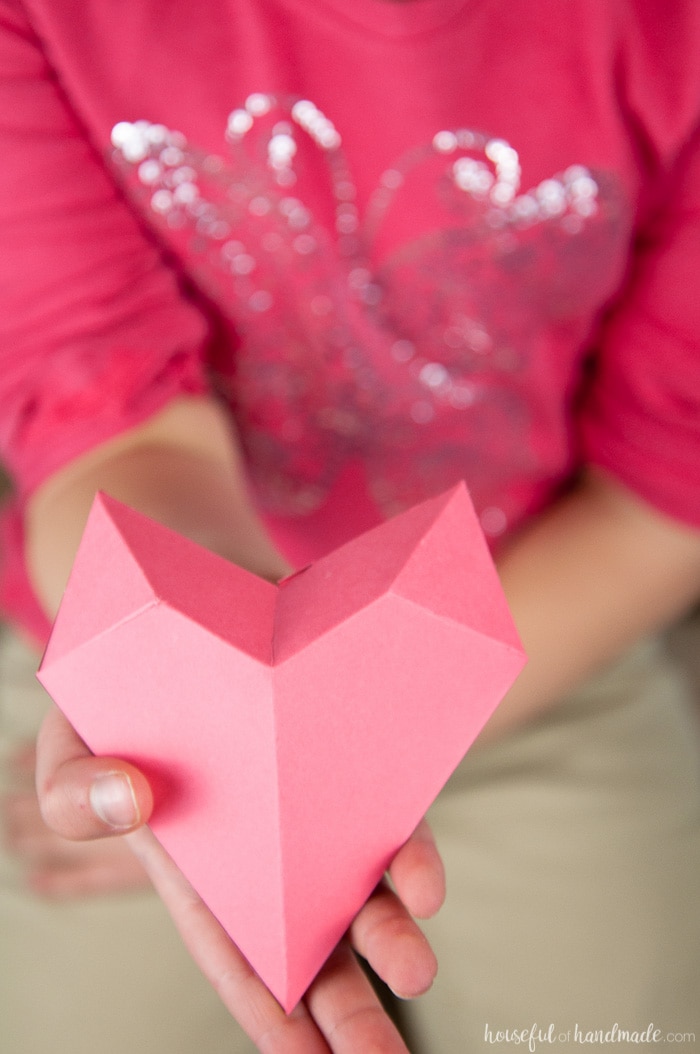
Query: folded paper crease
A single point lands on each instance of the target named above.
(303, 729)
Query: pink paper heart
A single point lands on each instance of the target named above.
(300, 731)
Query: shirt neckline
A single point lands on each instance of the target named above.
(395, 18)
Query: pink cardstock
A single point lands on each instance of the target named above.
(295, 733)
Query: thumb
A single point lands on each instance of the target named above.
(81, 796)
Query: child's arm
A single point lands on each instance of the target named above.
(181, 467)
(599, 570)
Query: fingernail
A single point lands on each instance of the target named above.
(397, 995)
(113, 801)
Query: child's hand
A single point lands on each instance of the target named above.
(83, 798)
(54, 866)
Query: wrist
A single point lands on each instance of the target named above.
(196, 488)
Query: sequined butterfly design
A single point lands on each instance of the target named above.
(411, 351)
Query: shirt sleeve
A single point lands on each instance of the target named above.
(95, 332)
(641, 418)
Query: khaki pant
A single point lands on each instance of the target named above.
(573, 860)
(572, 853)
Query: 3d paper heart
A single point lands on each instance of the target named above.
(302, 729)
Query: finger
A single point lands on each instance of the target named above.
(24, 831)
(346, 1009)
(27, 836)
(82, 796)
(418, 873)
(56, 866)
(239, 987)
(65, 880)
(388, 938)
(21, 764)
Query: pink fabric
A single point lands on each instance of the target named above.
(419, 274)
